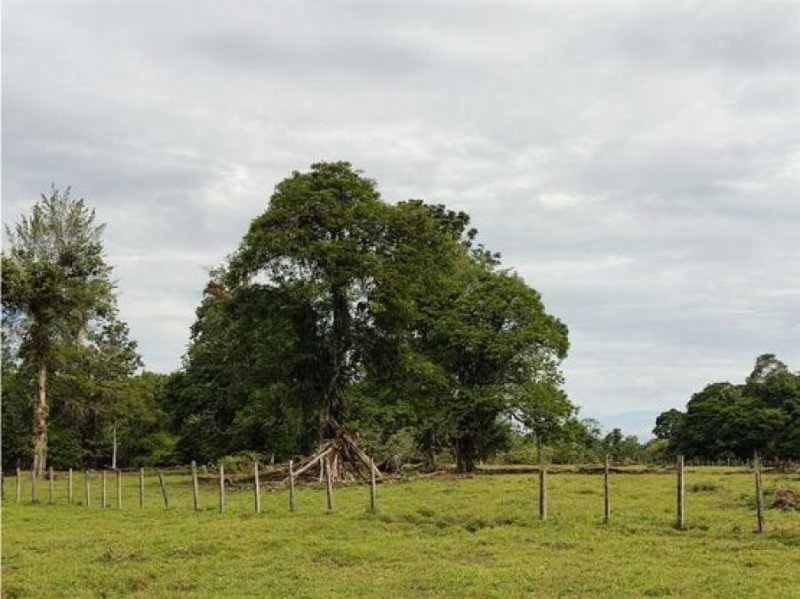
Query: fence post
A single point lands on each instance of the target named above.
(328, 486)
(87, 496)
(542, 493)
(69, 486)
(2, 487)
(195, 488)
(163, 484)
(50, 485)
(105, 491)
(606, 495)
(681, 520)
(292, 500)
(373, 499)
(759, 495)
(256, 489)
(141, 487)
(119, 489)
(221, 488)
(18, 489)
(33, 486)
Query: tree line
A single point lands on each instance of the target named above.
(340, 319)
(338, 314)
(733, 421)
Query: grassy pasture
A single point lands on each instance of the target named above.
(440, 537)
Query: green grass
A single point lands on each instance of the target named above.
(446, 537)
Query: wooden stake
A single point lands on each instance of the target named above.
(542, 493)
(606, 495)
(50, 485)
(759, 496)
(141, 487)
(256, 489)
(328, 486)
(69, 486)
(18, 489)
(33, 486)
(373, 504)
(163, 484)
(292, 500)
(195, 488)
(119, 489)
(105, 491)
(87, 496)
(681, 520)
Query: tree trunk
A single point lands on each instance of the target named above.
(40, 413)
(538, 448)
(465, 455)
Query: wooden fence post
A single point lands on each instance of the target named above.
(2, 487)
(606, 495)
(105, 491)
(50, 485)
(328, 486)
(681, 519)
(221, 488)
(33, 486)
(256, 488)
(119, 489)
(195, 488)
(18, 489)
(163, 484)
(87, 496)
(759, 495)
(292, 500)
(542, 493)
(69, 486)
(373, 494)
(141, 487)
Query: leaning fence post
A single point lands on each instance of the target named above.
(69, 486)
(292, 499)
(141, 487)
(221, 488)
(542, 493)
(119, 489)
(373, 500)
(256, 489)
(681, 520)
(33, 486)
(163, 484)
(50, 485)
(759, 495)
(606, 495)
(18, 489)
(328, 486)
(87, 496)
(195, 488)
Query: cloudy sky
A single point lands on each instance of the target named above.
(637, 162)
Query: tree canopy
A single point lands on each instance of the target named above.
(342, 313)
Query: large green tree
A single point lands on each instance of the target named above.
(341, 314)
(59, 313)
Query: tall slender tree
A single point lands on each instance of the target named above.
(55, 281)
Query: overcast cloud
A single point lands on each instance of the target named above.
(637, 162)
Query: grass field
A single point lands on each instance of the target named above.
(443, 537)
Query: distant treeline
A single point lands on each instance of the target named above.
(726, 421)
